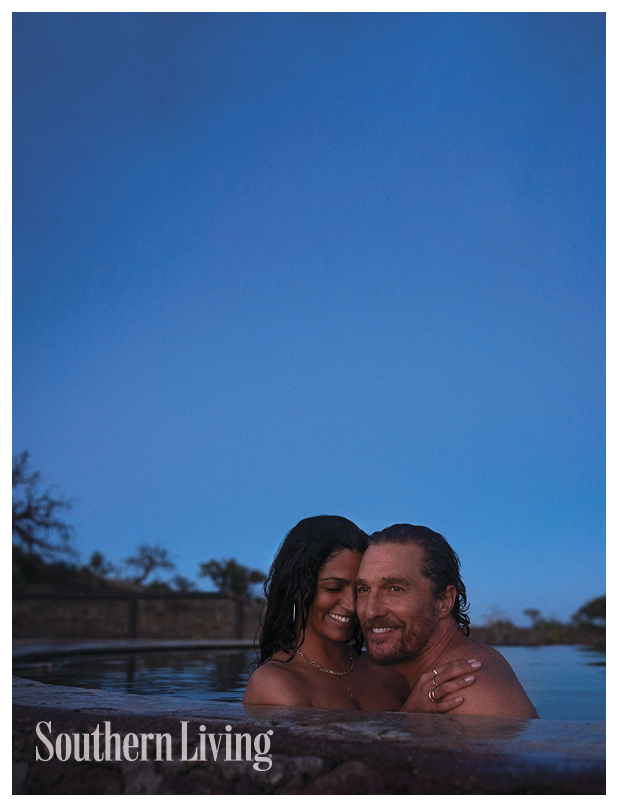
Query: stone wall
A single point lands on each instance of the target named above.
(312, 751)
(109, 619)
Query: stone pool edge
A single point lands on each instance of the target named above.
(313, 751)
(36, 649)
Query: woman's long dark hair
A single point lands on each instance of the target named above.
(293, 580)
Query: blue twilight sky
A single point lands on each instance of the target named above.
(268, 266)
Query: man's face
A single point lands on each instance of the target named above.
(395, 603)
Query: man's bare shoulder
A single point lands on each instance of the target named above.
(496, 690)
(381, 689)
(275, 683)
(387, 676)
(489, 652)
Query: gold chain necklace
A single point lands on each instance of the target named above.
(332, 672)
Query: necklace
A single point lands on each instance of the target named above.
(332, 672)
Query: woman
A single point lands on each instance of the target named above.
(310, 647)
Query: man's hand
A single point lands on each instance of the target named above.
(441, 683)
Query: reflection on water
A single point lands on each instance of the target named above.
(212, 675)
(563, 682)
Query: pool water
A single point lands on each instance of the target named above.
(219, 675)
(563, 682)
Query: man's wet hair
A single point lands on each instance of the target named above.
(441, 563)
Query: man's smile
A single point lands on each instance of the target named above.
(379, 626)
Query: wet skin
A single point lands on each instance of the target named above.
(296, 682)
(407, 626)
(330, 620)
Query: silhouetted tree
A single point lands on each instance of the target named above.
(592, 612)
(181, 583)
(231, 577)
(100, 566)
(30, 569)
(148, 559)
(534, 615)
(35, 520)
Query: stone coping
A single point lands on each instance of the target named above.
(313, 750)
(34, 649)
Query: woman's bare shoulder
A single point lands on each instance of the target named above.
(275, 683)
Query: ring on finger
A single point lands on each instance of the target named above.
(433, 680)
(432, 696)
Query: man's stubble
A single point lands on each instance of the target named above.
(410, 645)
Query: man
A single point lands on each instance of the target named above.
(411, 603)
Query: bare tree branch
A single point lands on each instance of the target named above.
(148, 559)
(35, 519)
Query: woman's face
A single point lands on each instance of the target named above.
(333, 611)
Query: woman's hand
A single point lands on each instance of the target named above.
(434, 690)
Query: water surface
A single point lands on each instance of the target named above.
(219, 675)
(563, 682)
